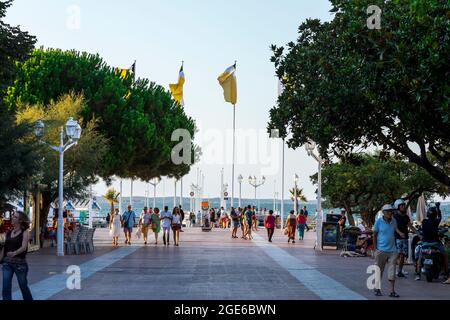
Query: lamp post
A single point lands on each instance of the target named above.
(296, 179)
(240, 180)
(256, 183)
(310, 148)
(73, 133)
(154, 183)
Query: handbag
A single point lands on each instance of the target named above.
(286, 231)
(2, 239)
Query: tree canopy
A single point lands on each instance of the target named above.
(350, 87)
(137, 117)
(81, 162)
(18, 163)
(364, 183)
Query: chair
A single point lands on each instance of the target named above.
(89, 242)
(72, 242)
(81, 241)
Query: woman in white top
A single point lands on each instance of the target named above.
(176, 226)
(115, 227)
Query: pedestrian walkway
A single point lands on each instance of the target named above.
(212, 266)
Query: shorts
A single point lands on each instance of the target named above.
(236, 224)
(130, 230)
(402, 246)
(390, 258)
(438, 245)
(176, 227)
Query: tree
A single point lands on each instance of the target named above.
(350, 87)
(112, 197)
(364, 183)
(81, 162)
(18, 162)
(300, 196)
(138, 118)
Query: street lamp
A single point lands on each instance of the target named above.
(310, 148)
(154, 183)
(296, 179)
(240, 180)
(256, 183)
(73, 134)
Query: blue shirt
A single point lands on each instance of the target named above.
(128, 216)
(385, 235)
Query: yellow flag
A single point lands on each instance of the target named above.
(228, 82)
(177, 88)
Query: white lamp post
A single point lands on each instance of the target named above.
(310, 148)
(154, 183)
(256, 183)
(240, 180)
(73, 134)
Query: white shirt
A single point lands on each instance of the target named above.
(176, 219)
(166, 215)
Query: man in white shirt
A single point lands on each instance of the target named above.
(166, 218)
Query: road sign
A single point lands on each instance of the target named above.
(226, 194)
(192, 194)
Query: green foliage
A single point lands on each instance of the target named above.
(81, 162)
(349, 87)
(18, 163)
(112, 197)
(366, 182)
(137, 118)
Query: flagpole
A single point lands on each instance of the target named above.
(234, 147)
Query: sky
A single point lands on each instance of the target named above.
(208, 36)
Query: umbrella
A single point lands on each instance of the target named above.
(421, 207)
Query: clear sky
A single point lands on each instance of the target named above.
(209, 36)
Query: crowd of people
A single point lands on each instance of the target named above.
(151, 219)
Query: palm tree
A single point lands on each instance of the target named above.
(112, 197)
(300, 196)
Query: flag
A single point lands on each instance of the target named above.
(123, 73)
(177, 88)
(228, 82)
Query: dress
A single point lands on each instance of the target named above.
(116, 226)
(291, 226)
(156, 223)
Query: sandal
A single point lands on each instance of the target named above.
(394, 295)
(446, 282)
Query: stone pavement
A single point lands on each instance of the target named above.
(212, 266)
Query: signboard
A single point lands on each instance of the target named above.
(330, 234)
(205, 205)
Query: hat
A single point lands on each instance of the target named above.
(388, 207)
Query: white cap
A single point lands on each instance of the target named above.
(388, 207)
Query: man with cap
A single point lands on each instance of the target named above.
(385, 247)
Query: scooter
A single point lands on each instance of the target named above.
(432, 261)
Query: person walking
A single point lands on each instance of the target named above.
(254, 221)
(192, 216)
(306, 213)
(144, 223)
(385, 248)
(13, 257)
(235, 222)
(115, 226)
(128, 219)
(249, 223)
(342, 221)
(242, 222)
(166, 218)
(176, 226)
(156, 224)
(212, 218)
(182, 217)
(402, 243)
(269, 223)
(291, 224)
(301, 223)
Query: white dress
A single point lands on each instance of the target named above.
(116, 226)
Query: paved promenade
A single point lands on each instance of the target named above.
(212, 266)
